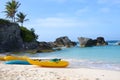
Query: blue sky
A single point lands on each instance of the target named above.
(72, 18)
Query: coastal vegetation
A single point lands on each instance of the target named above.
(28, 35)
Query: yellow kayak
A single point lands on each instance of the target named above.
(57, 64)
(2, 58)
(8, 58)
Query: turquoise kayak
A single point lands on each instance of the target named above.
(21, 62)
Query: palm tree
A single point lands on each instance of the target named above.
(11, 9)
(21, 18)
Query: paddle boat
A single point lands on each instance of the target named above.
(8, 58)
(53, 63)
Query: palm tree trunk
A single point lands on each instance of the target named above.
(14, 19)
(22, 24)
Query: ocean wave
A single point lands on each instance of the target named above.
(75, 63)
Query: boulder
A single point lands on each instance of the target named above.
(64, 42)
(101, 41)
(88, 42)
(118, 43)
(85, 42)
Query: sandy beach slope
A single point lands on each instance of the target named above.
(30, 72)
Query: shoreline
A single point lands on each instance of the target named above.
(31, 72)
(83, 63)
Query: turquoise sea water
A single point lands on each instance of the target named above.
(101, 57)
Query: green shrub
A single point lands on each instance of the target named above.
(28, 35)
(4, 21)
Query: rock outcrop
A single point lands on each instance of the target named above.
(88, 42)
(118, 43)
(64, 42)
(30, 45)
(44, 45)
(101, 41)
(10, 38)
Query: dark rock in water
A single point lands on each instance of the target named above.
(64, 42)
(101, 41)
(88, 42)
(10, 38)
(85, 42)
(118, 43)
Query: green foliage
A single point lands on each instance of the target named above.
(4, 21)
(11, 9)
(28, 35)
(21, 17)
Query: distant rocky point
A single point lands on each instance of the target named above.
(88, 42)
(57, 44)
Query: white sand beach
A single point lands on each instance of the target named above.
(30, 72)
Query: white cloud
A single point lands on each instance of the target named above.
(56, 22)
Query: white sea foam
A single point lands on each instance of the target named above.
(75, 63)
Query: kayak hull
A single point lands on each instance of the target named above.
(8, 58)
(59, 64)
(21, 62)
(2, 58)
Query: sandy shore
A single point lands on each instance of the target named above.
(30, 72)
